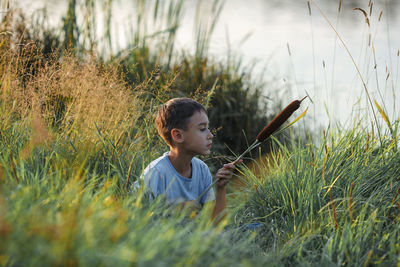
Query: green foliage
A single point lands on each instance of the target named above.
(57, 209)
(333, 204)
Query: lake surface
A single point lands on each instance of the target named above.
(317, 65)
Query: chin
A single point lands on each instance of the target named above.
(205, 153)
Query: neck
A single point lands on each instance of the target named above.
(181, 162)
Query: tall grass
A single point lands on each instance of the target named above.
(333, 204)
(65, 190)
(76, 130)
(49, 220)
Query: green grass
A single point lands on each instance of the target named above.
(332, 204)
(61, 205)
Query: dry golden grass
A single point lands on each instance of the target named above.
(91, 96)
(73, 95)
(40, 135)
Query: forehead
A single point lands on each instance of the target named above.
(199, 118)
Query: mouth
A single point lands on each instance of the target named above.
(209, 146)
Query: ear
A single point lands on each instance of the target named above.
(177, 135)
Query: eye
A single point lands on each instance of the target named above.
(203, 129)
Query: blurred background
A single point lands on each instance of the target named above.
(288, 41)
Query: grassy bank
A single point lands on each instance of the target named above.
(66, 198)
(332, 204)
(76, 130)
(65, 195)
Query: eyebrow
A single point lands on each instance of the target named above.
(202, 124)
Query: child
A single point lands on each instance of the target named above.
(183, 124)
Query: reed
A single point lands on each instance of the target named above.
(274, 125)
(265, 133)
(355, 65)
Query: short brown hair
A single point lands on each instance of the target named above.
(175, 114)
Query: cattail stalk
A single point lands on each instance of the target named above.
(274, 125)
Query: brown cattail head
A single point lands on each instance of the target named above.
(279, 120)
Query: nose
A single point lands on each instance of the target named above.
(210, 135)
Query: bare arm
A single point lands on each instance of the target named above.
(224, 175)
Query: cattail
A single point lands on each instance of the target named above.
(264, 134)
(279, 120)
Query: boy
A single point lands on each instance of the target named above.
(183, 124)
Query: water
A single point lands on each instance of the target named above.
(317, 65)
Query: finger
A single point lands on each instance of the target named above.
(237, 161)
(225, 173)
(225, 170)
(225, 177)
(229, 166)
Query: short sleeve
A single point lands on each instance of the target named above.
(151, 178)
(209, 196)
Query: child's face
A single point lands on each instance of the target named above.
(197, 137)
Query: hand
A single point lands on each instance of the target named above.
(225, 174)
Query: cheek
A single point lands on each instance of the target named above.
(201, 135)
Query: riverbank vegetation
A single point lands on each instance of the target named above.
(76, 130)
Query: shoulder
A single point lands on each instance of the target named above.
(202, 167)
(158, 165)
